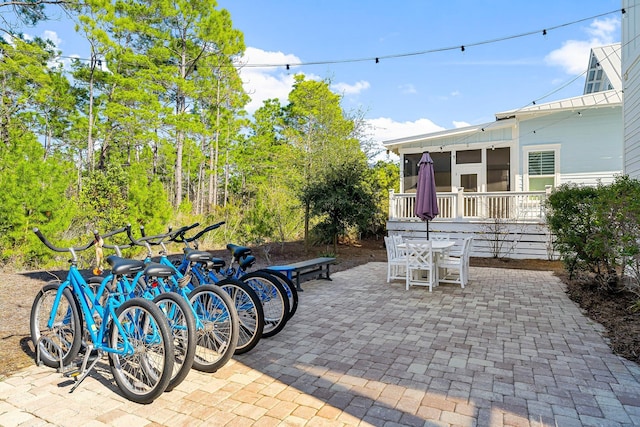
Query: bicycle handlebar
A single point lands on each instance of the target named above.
(183, 239)
(113, 233)
(158, 238)
(71, 249)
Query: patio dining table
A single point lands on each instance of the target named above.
(439, 248)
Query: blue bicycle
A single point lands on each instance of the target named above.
(133, 333)
(128, 276)
(198, 266)
(272, 294)
(217, 323)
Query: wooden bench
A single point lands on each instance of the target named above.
(316, 268)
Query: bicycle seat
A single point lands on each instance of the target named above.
(238, 251)
(247, 261)
(197, 256)
(121, 266)
(155, 269)
(216, 264)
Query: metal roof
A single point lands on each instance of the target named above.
(607, 98)
(610, 59)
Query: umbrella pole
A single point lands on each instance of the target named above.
(427, 229)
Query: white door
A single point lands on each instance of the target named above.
(470, 177)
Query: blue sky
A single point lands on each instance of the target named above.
(420, 93)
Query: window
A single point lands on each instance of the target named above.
(542, 169)
(441, 169)
(498, 169)
(468, 156)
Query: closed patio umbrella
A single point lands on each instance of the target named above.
(426, 199)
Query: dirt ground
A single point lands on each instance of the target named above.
(17, 291)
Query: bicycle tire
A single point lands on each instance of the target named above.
(182, 323)
(250, 313)
(65, 335)
(289, 287)
(218, 336)
(144, 374)
(274, 299)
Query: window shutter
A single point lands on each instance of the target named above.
(542, 163)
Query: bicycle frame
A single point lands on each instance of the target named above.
(83, 292)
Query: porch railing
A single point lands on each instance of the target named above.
(514, 205)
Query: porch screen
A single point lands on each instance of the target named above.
(542, 169)
(441, 169)
(498, 169)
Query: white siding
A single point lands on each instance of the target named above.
(631, 84)
(590, 179)
(591, 142)
(514, 240)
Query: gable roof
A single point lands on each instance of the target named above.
(602, 87)
(604, 72)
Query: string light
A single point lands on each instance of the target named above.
(401, 55)
(462, 140)
(442, 49)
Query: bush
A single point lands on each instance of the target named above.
(597, 230)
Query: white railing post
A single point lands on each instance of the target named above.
(460, 202)
(392, 205)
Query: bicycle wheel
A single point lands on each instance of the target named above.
(217, 327)
(143, 365)
(273, 297)
(289, 287)
(62, 340)
(250, 313)
(182, 322)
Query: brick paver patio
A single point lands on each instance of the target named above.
(508, 350)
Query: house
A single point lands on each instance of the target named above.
(492, 179)
(631, 85)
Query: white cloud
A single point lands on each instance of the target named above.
(53, 36)
(408, 88)
(270, 81)
(354, 89)
(458, 124)
(573, 56)
(384, 128)
(265, 77)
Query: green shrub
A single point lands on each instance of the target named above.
(597, 230)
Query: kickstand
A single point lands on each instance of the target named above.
(84, 370)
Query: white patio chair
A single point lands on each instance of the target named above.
(454, 268)
(396, 262)
(420, 270)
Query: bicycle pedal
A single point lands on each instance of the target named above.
(72, 374)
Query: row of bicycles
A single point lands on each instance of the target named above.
(156, 318)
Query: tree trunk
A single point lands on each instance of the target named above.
(213, 178)
(178, 172)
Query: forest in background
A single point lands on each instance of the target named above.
(152, 131)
